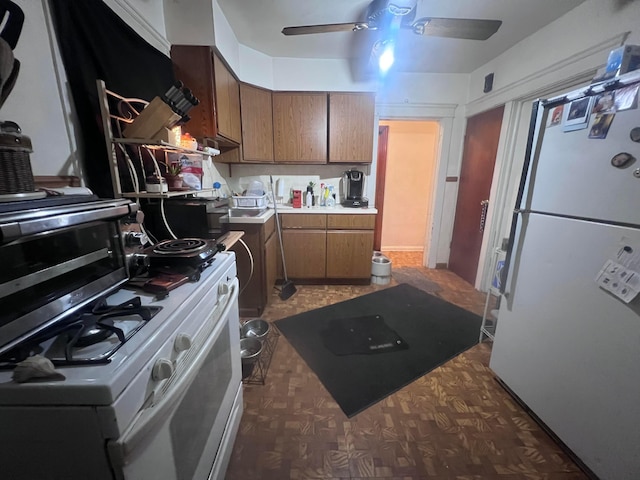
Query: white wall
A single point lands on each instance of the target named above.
(256, 68)
(571, 44)
(189, 22)
(35, 102)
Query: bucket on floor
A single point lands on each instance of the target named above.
(380, 269)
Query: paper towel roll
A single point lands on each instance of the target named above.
(279, 188)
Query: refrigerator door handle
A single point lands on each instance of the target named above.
(483, 214)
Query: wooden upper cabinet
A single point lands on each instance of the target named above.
(227, 101)
(300, 127)
(218, 114)
(257, 124)
(351, 127)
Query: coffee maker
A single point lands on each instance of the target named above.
(353, 188)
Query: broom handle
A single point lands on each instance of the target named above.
(275, 209)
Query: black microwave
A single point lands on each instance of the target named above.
(55, 260)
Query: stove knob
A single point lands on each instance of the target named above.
(182, 342)
(162, 369)
(223, 288)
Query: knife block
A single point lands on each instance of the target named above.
(152, 121)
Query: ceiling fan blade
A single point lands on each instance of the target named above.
(466, 28)
(331, 27)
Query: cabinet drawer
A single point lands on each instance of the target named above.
(351, 222)
(302, 220)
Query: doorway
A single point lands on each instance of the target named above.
(406, 209)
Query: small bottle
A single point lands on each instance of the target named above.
(309, 200)
(331, 199)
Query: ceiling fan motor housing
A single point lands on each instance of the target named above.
(379, 10)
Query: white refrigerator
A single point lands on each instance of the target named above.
(567, 341)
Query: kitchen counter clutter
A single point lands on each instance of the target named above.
(262, 217)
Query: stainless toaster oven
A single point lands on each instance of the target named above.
(55, 259)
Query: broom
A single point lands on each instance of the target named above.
(288, 288)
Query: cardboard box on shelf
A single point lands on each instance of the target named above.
(191, 168)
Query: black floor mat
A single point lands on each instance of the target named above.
(361, 335)
(434, 330)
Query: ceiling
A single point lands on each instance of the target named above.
(258, 24)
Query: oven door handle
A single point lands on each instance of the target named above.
(13, 230)
(149, 417)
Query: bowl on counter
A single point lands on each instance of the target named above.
(255, 328)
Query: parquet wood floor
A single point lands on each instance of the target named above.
(456, 422)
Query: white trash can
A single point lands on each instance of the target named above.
(380, 269)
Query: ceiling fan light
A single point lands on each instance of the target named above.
(386, 58)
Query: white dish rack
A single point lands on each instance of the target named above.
(249, 201)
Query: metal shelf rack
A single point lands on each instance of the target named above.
(130, 111)
(490, 315)
(258, 374)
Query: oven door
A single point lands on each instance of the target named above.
(179, 435)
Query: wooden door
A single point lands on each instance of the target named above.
(257, 124)
(478, 161)
(381, 176)
(351, 127)
(300, 127)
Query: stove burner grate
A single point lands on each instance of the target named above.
(180, 246)
(87, 329)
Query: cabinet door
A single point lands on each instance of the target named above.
(305, 253)
(300, 127)
(193, 66)
(349, 254)
(252, 299)
(227, 102)
(351, 127)
(257, 124)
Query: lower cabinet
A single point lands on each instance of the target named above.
(349, 253)
(305, 253)
(335, 247)
(256, 287)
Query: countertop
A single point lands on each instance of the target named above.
(286, 209)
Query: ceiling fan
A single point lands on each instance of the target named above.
(386, 14)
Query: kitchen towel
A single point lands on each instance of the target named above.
(434, 330)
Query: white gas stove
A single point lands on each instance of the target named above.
(129, 409)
